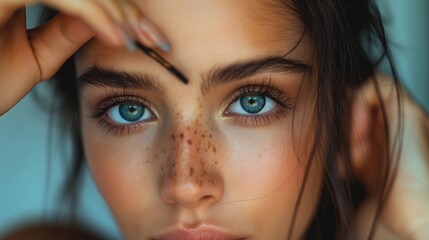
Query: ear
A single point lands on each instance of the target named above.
(359, 131)
(367, 138)
(360, 122)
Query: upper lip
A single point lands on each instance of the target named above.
(200, 233)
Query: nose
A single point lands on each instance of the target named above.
(189, 193)
(192, 178)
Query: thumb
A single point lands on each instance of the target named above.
(54, 42)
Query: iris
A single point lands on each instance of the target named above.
(253, 103)
(131, 112)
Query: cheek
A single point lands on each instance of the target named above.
(259, 164)
(265, 175)
(121, 169)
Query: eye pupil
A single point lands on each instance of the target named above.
(132, 109)
(131, 112)
(253, 103)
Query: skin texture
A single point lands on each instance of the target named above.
(194, 164)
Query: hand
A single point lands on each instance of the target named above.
(28, 57)
(406, 213)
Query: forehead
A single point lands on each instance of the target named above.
(213, 32)
(255, 20)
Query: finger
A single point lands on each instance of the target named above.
(8, 7)
(15, 65)
(133, 16)
(146, 31)
(120, 16)
(94, 16)
(5, 14)
(54, 42)
(15, 3)
(114, 9)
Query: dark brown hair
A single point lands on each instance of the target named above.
(343, 33)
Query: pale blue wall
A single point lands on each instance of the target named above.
(407, 24)
(24, 130)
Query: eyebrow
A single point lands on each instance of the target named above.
(102, 77)
(245, 69)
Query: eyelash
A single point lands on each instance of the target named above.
(99, 113)
(285, 104)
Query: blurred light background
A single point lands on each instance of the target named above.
(29, 185)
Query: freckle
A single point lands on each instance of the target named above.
(174, 164)
(175, 174)
(164, 151)
(181, 136)
(203, 135)
(214, 149)
(173, 137)
(216, 163)
(146, 162)
(191, 172)
(198, 149)
(210, 136)
(189, 141)
(189, 128)
(156, 156)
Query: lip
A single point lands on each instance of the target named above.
(200, 233)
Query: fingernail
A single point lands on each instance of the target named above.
(129, 43)
(152, 33)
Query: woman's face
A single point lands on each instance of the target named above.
(218, 155)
